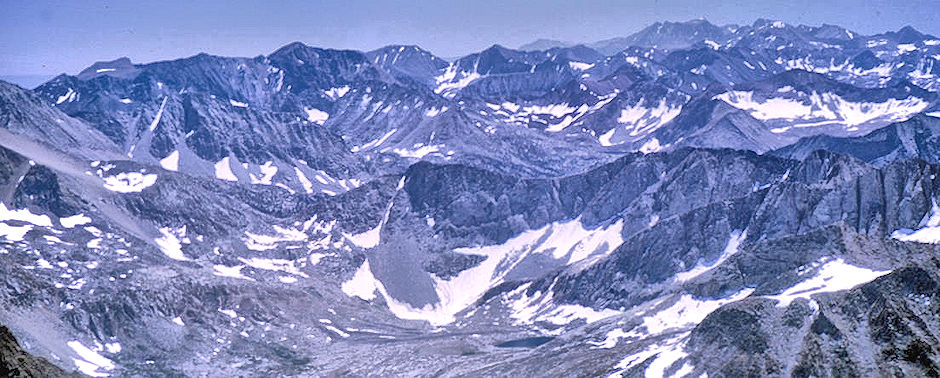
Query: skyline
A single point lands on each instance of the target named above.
(65, 37)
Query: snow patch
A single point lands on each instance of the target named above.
(69, 96)
(929, 231)
(687, 311)
(170, 243)
(316, 115)
(448, 83)
(223, 170)
(646, 120)
(230, 313)
(24, 215)
(90, 362)
(669, 350)
(336, 93)
(825, 108)
(734, 241)
(230, 271)
(171, 162)
(562, 240)
(651, 146)
(259, 242)
(372, 237)
(268, 170)
(363, 283)
(433, 112)
(129, 182)
(833, 275)
(308, 186)
(580, 66)
(274, 265)
(565, 314)
(419, 151)
(904, 48)
(113, 347)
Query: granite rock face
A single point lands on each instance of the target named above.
(15, 362)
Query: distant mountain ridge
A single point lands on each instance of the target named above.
(625, 99)
(678, 35)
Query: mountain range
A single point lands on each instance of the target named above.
(693, 199)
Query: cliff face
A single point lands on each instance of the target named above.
(16, 362)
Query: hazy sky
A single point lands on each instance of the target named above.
(50, 37)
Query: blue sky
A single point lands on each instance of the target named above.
(51, 37)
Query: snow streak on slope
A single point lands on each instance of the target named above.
(418, 151)
(372, 237)
(929, 231)
(833, 275)
(682, 315)
(567, 241)
(646, 120)
(448, 83)
(687, 311)
(639, 120)
(156, 120)
(822, 109)
(580, 66)
(556, 117)
(684, 312)
(170, 243)
(70, 95)
(91, 363)
(734, 241)
(539, 307)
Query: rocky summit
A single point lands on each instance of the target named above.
(691, 200)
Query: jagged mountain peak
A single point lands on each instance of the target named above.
(764, 23)
(908, 34)
(409, 64)
(498, 49)
(118, 68)
(579, 53)
(292, 47)
(299, 50)
(832, 32)
(400, 49)
(542, 44)
(667, 36)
